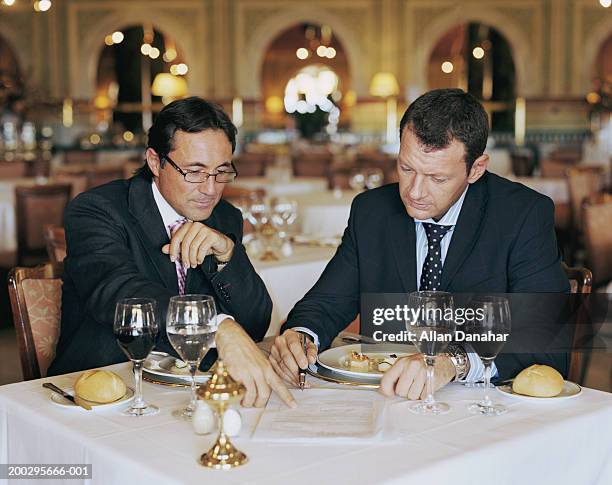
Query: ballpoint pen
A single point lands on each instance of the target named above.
(302, 374)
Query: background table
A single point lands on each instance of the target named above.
(292, 186)
(324, 213)
(544, 443)
(288, 279)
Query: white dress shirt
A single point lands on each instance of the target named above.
(170, 216)
(476, 372)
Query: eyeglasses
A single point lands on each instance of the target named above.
(199, 176)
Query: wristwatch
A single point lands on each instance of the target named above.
(458, 356)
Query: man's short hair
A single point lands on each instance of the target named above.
(191, 115)
(440, 116)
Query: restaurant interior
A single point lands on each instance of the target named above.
(316, 90)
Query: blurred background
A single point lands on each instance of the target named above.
(316, 89)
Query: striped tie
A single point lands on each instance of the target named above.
(181, 272)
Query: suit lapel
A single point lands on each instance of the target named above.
(402, 237)
(151, 230)
(466, 231)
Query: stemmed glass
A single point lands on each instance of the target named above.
(433, 328)
(258, 212)
(284, 214)
(136, 329)
(374, 178)
(492, 317)
(191, 325)
(357, 180)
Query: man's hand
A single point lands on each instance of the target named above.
(194, 241)
(248, 365)
(287, 355)
(407, 377)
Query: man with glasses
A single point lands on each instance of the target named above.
(166, 231)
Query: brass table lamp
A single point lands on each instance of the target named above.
(219, 392)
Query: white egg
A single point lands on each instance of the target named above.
(232, 422)
(204, 420)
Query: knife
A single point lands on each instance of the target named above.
(74, 399)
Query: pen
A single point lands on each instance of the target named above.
(302, 374)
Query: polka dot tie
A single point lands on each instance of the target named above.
(432, 267)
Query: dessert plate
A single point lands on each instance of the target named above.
(363, 360)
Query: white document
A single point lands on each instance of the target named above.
(323, 414)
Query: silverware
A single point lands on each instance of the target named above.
(360, 339)
(504, 382)
(74, 399)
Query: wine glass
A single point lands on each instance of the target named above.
(258, 212)
(136, 329)
(284, 214)
(374, 178)
(492, 318)
(191, 325)
(357, 180)
(433, 327)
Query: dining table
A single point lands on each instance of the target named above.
(545, 442)
(286, 186)
(324, 213)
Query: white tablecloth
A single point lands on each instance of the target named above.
(324, 213)
(288, 279)
(565, 442)
(555, 188)
(295, 185)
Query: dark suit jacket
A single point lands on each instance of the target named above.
(503, 242)
(114, 238)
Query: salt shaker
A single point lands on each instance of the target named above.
(203, 419)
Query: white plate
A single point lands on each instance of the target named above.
(62, 401)
(570, 390)
(160, 367)
(337, 359)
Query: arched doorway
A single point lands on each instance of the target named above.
(304, 75)
(477, 58)
(600, 95)
(127, 71)
(12, 84)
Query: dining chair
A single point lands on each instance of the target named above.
(36, 206)
(597, 215)
(315, 164)
(55, 238)
(581, 282)
(35, 295)
(582, 182)
(13, 169)
(253, 164)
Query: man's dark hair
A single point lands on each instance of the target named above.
(191, 115)
(440, 116)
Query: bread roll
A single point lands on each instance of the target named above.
(538, 381)
(100, 386)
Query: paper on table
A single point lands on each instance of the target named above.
(323, 414)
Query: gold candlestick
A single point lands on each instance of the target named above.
(219, 392)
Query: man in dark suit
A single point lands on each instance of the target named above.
(448, 225)
(164, 232)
